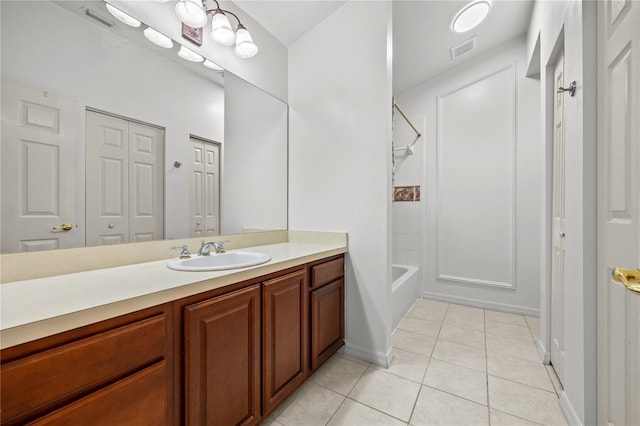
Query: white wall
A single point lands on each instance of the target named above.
(571, 24)
(267, 70)
(481, 187)
(340, 157)
(254, 159)
(130, 81)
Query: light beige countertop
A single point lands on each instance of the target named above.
(40, 307)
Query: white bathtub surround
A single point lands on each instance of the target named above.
(481, 183)
(405, 290)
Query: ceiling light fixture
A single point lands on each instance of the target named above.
(123, 17)
(212, 65)
(194, 13)
(471, 16)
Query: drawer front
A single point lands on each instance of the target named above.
(327, 272)
(140, 399)
(36, 383)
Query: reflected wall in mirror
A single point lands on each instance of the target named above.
(66, 65)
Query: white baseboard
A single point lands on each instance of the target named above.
(568, 411)
(545, 355)
(503, 307)
(364, 354)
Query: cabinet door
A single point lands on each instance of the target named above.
(222, 354)
(284, 331)
(327, 321)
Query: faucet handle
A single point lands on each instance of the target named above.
(220, 246)
(185, 253)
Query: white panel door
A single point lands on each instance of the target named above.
(618, 211)
(558, 224)
(107, 178)
(38, 170)
(146, 183)
(204, 189)
(125, 180)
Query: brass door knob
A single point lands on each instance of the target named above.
(630, 278)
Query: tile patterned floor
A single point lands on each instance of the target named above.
(453, 365)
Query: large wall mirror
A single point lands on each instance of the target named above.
(108, 139)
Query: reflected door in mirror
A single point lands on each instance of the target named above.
(204, 189)
(125, 181)
(38, 170)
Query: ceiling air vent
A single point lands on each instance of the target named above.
(98, 17)
(461, 49)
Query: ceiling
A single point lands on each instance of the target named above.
(421, 34)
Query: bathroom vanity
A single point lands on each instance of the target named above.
(231, 348)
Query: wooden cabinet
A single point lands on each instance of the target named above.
(222, 359)
(284, 338)
(70, 378)
(326, 300)
(228, 356)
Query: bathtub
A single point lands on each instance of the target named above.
(405, 290)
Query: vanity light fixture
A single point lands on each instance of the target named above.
(194, 13)
(189, 55)
(158, 38)
(471, 16)
(123, 17)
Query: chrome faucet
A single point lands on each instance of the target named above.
(184, 251)
(218, 246)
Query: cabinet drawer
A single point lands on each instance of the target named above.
(140, 399)
(326, 272)
(37, 383)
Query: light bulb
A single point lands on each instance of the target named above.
(221, 30)
(189, 55)
(191, 13)
(158, 38)
(123, 17)
(245, 47)
(212, 65)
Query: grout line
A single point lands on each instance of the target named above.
(523, 384)
(337, 409)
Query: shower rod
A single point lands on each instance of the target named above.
(406, 119)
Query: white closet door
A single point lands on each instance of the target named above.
(125, 180)
(146, 183)
(38, 170)
(107, 178)
(204, 189)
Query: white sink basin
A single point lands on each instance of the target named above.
(219, 262)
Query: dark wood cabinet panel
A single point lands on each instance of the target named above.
(43, 381)
(327, 272)
(327, 321)
(222, 359)
(140, 399)
(284, 334)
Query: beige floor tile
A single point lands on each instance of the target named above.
(407, 365)
(525, 402)
(428, 311)
(439, 408)
(534, 326)
(508, 330)
(459, 354)
(310, 405)
(413, 342)
(460, 334)
(460, 381)
(435, 305)
(385, 392)
(465, 316)
(519, 370)
(554, 379)
(339, 374)
(352, 413)
(505, 318)
(270, 422)
(421, 326)
(461, 321)
(342, 353)
(499, 345)
(498, 418)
